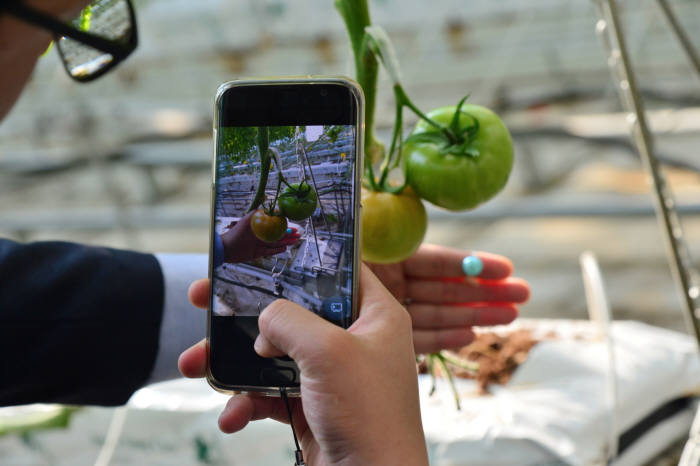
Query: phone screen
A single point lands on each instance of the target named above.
(285, 190)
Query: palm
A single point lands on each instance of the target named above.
(443, 303)
(393, 277)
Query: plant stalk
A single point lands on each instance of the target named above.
(404, 100)
(396, 136)
(263, 138)
(355, 14)
(450, 379)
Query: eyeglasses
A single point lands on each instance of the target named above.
(92, 44)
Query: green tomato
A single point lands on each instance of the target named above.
(393, 225)
(298, 201)
(461, 175)
(269, 228)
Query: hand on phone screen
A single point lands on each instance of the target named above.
(240, 244)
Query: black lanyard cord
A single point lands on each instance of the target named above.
(299, 456)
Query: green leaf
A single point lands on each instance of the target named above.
(240, 144)
(332, 132)
(381, 46)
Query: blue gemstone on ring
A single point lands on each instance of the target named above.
(472, 266)
(289, 231)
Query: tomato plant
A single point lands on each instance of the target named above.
(393, 225)
(298, 201)
(268, 227)
(456, 158)
(464, 169)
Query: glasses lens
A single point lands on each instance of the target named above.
(108, 19)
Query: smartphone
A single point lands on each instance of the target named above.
(285, 213)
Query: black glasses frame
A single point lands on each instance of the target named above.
(118, 49)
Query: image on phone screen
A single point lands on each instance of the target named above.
(284, 219)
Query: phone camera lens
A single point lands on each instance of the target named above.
(324, 92)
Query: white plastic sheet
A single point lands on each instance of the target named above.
(554, 410)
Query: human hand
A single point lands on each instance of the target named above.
(240, 244)
(359, 394)
(443, 303)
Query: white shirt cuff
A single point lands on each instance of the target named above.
(182, 324)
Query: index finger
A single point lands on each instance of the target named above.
(198, 293)
(193, 361)
(432, 261)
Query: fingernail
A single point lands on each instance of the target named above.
(257, 345)
(472, 266)
(220, 421)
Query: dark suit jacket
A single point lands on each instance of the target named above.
(78, 324)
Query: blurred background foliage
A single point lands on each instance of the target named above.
(239, 144)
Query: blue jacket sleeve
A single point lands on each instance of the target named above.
(78, 324)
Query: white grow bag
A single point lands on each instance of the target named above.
(557, 408)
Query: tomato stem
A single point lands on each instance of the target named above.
(355, 14)
(263, 138)
(398, 126)
(469, 366)
(280, 177)
(404, 100)
(369, 174)
(448, 375)
(276, 158)
(277, 195)
(431, 371)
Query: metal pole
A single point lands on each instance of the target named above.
(619, 62)
(681, 35)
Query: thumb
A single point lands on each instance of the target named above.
(287, 328)
(375, 300)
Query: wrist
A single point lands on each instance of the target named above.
(404, 447)
(408, 450)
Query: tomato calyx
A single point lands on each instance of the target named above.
(457, 182)
(456, 139)
(301, 191)
(271, 210)
(298, 201)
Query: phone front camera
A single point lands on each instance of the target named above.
(324, 92)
